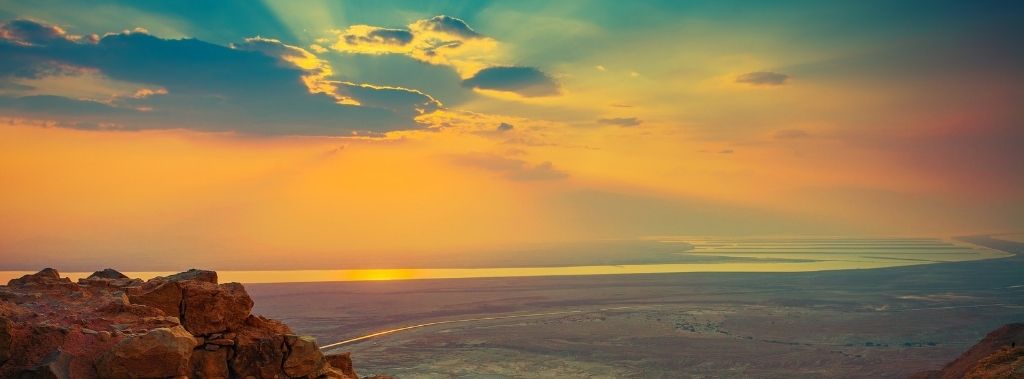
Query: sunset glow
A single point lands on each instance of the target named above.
(333, 135)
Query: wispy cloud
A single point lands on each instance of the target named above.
(763, 78)
(512, 168)
(620, 121)
(524, 81)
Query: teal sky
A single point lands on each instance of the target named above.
(322, 126)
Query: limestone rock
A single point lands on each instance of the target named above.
(211, 308)
(109, 278)
(108, 273)
(113, 327)
(263, 323)
(259, 356)
(47, 278)
(56, 365)
(210, 364)
(194, 275)
(44, 275)
(165, 297)
(160, 353)
(343, 363)
(304, 357)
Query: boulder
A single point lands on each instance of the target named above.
(194, 275)
(304, 357)
(109, 278)
(108, 273)
(148, 330)
(210, 308)
(210, 364)
(47, 278)
(259, 357)
(263, 323)
(343, 363)
(56, 365)
(160, 353)
(165, 297)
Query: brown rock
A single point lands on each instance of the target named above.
(1006, 363)
(160, 353)
(210, 308)
(194, 275)
(222, 342)
(44, 275)
(48, 278)
(107, 273)
(304, 357)
(165, 297)
(109, 278)
(6, 339)
(1010, 334)
(210, 364)
(258, 355)
(263, 323)
(56, 365)
(332, 373)
(342, 362)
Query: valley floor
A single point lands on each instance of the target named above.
(886, 322)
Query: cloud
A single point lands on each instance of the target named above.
(511, 168)
(448, 41)
(258, 86)
(790, 134)
(763, 78)
(524, 81)
(504, 127)
(27, 32)
(404, 101)
(440, 40)
(620, 121)
(445, 25)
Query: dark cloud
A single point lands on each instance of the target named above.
(620, 121)
(381, 36)
(512, 168)
(27, 32)
(790, 134)
(208, 86)
(763, 78)
(504, 127)
(46, 103)
(450, 25)
(525, 81)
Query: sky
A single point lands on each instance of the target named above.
(337, 134)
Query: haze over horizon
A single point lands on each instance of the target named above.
(170, 134)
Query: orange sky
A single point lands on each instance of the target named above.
(359, 140)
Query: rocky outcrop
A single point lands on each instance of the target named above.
(343, 363)
(184, 325)
(159, 353)
(211, 308)
(999, 355)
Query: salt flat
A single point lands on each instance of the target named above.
(885, 322)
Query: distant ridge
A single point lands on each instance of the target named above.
(999, 355)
